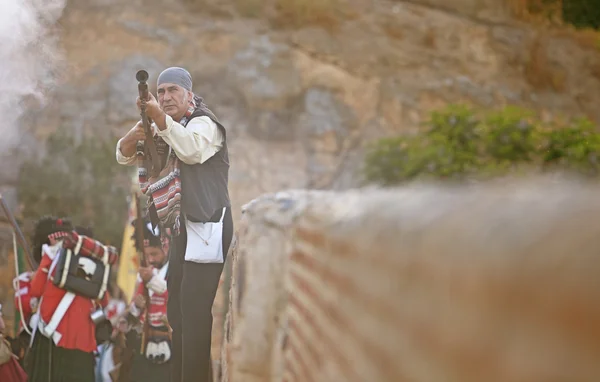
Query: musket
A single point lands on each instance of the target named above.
(142, 78)
(13, 222)
(139, 232)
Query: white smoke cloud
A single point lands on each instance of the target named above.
(29, 56)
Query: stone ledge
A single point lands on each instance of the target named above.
(494, 282)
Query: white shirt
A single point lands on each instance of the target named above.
(195, 143)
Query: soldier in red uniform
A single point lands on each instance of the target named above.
(150, 338)
(64, 340)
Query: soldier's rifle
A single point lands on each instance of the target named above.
(149, 146)
(139, 232)
(19, 235)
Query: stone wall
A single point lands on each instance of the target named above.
(495, 282)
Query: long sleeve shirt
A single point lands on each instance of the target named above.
(195, 143)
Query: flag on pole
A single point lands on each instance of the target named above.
(20, 267)
(128, 261)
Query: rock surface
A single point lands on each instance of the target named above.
(301, 104)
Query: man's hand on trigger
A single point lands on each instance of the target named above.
(139, 132)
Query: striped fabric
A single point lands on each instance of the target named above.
(90, 247)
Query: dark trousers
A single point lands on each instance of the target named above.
(192, 288)
(47, 362)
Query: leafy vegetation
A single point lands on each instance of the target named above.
(579, 13)
(460, 143)
(81, 181)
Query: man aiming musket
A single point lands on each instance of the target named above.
(190, 196)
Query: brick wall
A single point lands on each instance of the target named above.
(495, 282)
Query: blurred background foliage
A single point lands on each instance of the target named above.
(459, 142)
(80, 180)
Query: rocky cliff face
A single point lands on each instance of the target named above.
(300, 104)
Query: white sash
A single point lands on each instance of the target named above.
(49, 330)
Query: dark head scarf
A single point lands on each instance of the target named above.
(177, 76)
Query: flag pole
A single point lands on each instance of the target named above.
(128, 260)
(17, 288)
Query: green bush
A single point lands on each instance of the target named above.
(582, 13)
(460, 143)
(81, 181)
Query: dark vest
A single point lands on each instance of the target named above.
(204, 186)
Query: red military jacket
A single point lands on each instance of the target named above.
(158, 297)
(76, 330)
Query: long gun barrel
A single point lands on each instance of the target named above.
(142, 78)
(139, 231)
(13, 222)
